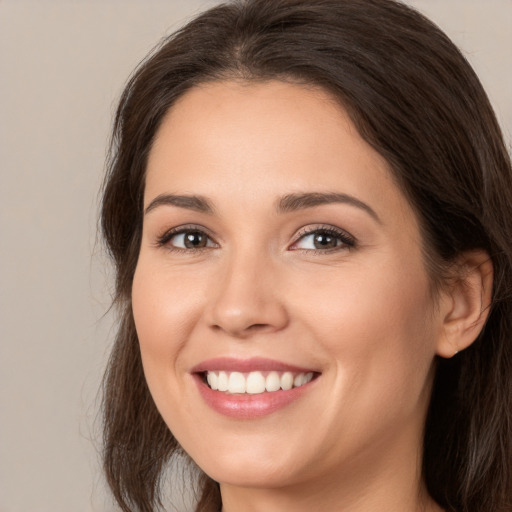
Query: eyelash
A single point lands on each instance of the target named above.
(347, 240)
(164, 239)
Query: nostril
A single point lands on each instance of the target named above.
(255, 327)
(243, 332)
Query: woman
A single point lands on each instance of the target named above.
(309, 206)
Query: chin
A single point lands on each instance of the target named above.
(249, 473)
(231, 460)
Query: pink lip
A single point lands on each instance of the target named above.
(246, 406)
(253, 364)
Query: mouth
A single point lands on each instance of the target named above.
(255, 382)
(251, 388)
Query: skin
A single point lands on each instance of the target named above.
(362, 316)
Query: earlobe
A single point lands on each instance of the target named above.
(468, 303)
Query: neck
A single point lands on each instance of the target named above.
(348, 496)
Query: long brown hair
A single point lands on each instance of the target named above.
(416, 100)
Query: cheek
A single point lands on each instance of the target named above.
(163, 325)
(377, 324)
(377, 299)
(161, 320)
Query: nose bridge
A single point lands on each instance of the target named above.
(246, 299)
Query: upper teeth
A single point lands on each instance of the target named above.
(256, 382)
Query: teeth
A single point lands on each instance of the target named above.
(213, 380)
(287, 381)
(222, 382)
(256, 382)
(236, 383)
(299, 380)
(273, 382)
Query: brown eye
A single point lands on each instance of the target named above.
(324, 241)
(186, 239)
(194, 239)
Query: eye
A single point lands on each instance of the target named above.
(323, 239)
(186, 239)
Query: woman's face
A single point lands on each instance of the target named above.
(278, 252)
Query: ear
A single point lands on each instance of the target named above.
(467, 303)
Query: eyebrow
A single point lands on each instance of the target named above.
(288, 203)
(294, 202)
(196, 203)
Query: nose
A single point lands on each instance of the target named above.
(247, 298)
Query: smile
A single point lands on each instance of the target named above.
(251, 388)
(256, 382)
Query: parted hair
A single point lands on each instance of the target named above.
(415, 99)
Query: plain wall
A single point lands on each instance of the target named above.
(62, 67)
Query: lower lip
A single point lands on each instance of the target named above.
(247, 406)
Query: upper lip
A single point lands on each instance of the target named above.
(253, 364)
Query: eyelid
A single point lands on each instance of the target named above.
(348, 240)
(164, 239)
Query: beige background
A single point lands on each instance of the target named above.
(62, 67)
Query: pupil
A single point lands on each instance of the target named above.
(324, 241)
(195, 239)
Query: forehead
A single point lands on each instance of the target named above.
(259, 140)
